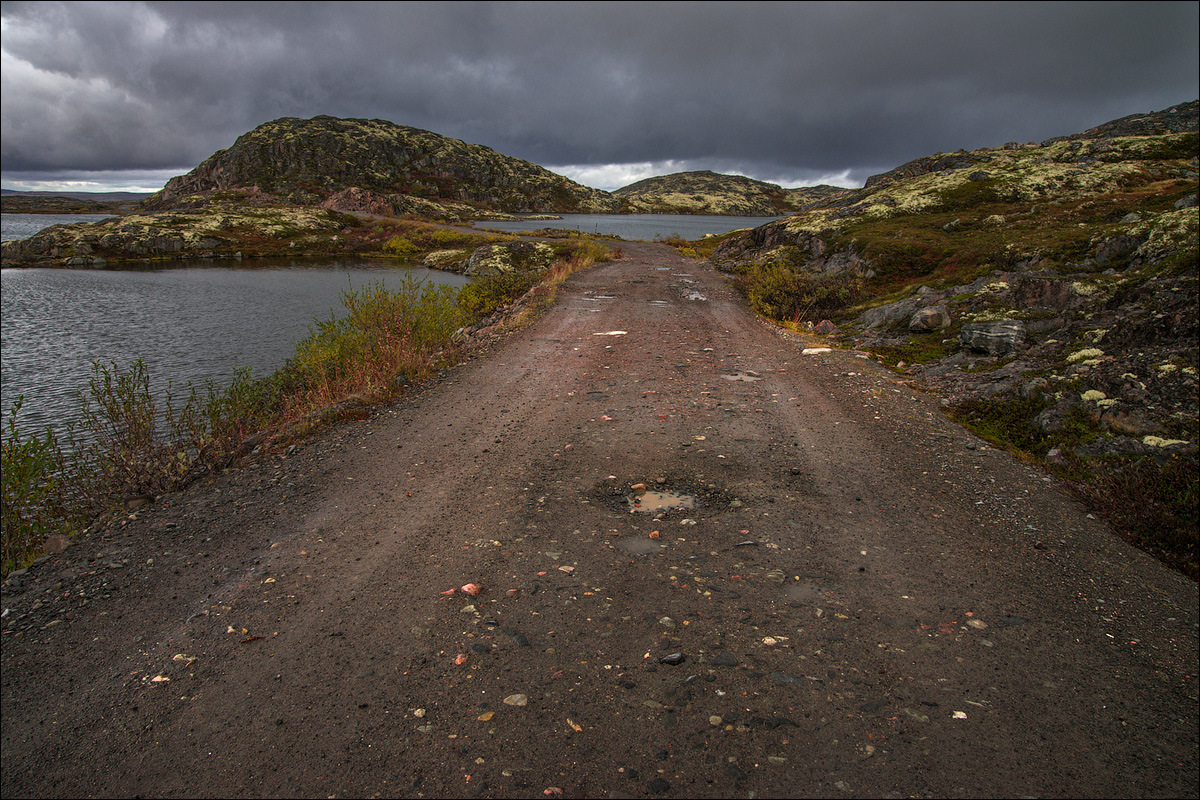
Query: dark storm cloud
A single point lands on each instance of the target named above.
(788, 91)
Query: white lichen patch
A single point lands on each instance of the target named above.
(1157, 441)
(1092, 396)
(1089, 355)
(1166, 369)
(1167, 232)
(1084, 289)
(993, 315)
(438, 259)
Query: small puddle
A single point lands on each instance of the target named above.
(651, 502)
(640, 545)
(749, 377)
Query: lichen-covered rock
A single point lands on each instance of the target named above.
(998, 338)
(506, 257)
(355, 200)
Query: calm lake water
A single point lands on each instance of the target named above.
(647, 227)
(22, 226)
(187, 324)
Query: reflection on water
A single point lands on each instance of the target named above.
(187, 324)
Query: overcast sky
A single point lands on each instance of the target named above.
(100, 96)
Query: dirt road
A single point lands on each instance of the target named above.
(862, 599)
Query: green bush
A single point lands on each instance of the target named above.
(779, 292)
(482, 296)
(34, 499)
(400, 247)
(386, 335)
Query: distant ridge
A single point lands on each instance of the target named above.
(707, 192)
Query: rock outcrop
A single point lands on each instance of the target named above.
(1061, 275)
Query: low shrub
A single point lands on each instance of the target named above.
(34, 498)
(386, 335)
(779, 292)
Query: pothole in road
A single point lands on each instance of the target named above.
(747, 376)
(811, 588)
(653, 502)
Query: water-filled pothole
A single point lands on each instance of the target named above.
(653, 502)
(745, 375)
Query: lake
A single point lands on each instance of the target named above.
(190, 323)
(22, 226)
(647, 227)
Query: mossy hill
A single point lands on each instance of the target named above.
(1048, 292)
(706, 192)
(389, 167)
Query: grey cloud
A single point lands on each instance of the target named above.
(783, 88)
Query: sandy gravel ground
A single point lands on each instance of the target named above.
(862, 599)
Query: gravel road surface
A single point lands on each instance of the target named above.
(709, 565)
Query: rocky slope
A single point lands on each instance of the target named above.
(392, 167)
(1047, 291)
(706, 192)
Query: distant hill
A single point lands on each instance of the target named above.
(15, 202)
(375, 165)
(707, 192)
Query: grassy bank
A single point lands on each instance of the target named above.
(132, 445)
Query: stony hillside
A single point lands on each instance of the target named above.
(706, 192)
(375, 165)
(1048, 292)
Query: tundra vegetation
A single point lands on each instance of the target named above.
(1078, 256)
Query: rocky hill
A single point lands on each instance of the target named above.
(375, 166)
(1048, 292)
(706, 192)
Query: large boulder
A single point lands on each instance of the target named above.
(934, 318)
(999, 338)
(508, 257)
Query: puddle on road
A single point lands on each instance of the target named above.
(810, 589)
(652, 502)
(749, 377)
(640, 545)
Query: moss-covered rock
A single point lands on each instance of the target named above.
(508, 257)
